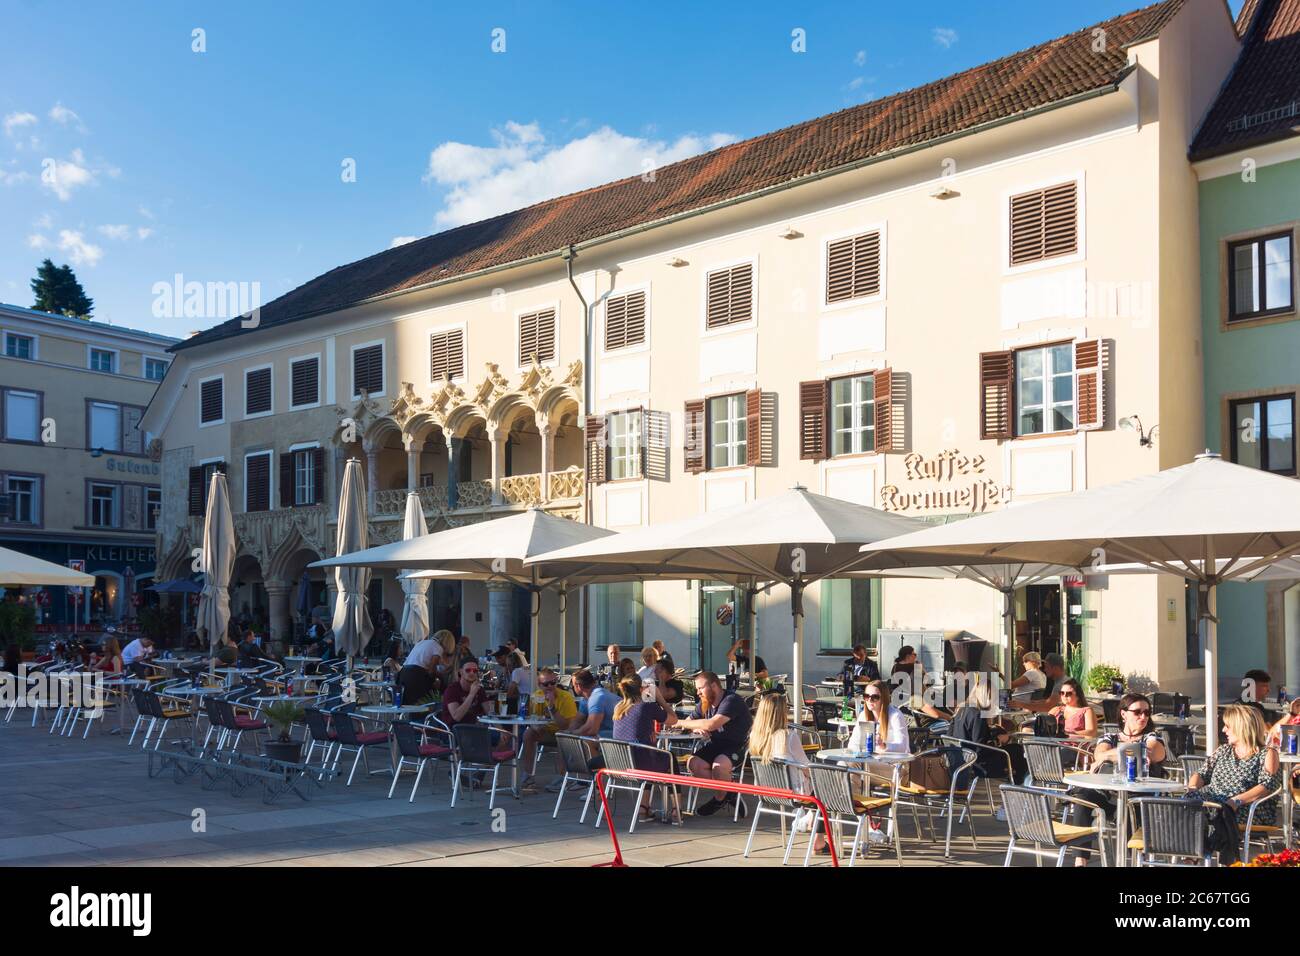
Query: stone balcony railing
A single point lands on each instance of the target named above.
(565, 491)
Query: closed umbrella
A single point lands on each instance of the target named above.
(217, 563)
(1207, 521)
(795, 538)
(415, 610)
(352, 627)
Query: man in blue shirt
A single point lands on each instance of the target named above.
(596, 704)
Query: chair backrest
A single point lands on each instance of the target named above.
(775, 776)
(1172, 827)
(474, 741)
(1110, 710)
(1162, 702)
(1029, 816)
(1192, 764)
(317, 725)
(408, 741)
(824, 711)
(573, 753)
(832, 786)
(1178, 740)
(1045, 764)
(617, 754)
(215, 717)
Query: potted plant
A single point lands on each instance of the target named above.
(18, 626)
(1102, 676)
(281, 716)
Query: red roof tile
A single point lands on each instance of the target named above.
(1036, 78)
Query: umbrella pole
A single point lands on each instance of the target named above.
(796, 608)
(1009, 630)
(564, 628)
(752, 595)
(535, 609)
(1210, 641)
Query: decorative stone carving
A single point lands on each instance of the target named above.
(566, 484)
(355, 422)
(406, 405)
(521, 489)
(492, 387)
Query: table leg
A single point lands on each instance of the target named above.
(1121, 829)
(1288, 805)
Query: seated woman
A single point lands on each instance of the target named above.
(1291, 719)
(649, 657)
(1237, 774)
(910, 678)
(969, 722)
(1137, 727)
(1032, 681)
(772, 738)
(1074, 712)
(110, 660)
(672, 690)
(891, 725)
(634, 721)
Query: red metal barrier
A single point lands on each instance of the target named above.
(704, 783)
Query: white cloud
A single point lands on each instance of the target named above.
(37, 241)
(13, 179)
(15, 121)
(78, 249)
(118, 232)
(43, 221)
(522, 168)
(66, 117)
(860, 58)
(63, 176)
(401, 241)
(944, 36)
(143, 232)
(146, 212)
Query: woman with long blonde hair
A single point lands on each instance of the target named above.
(891, 725)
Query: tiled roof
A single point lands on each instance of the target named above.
(1261, 100)
(1032, 79)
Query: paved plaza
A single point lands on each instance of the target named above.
(74, 802)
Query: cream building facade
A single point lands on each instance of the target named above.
(950, 323)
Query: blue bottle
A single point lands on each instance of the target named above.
(1130, 768)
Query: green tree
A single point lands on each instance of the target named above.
(57, 290)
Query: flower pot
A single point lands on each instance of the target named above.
(288, 751)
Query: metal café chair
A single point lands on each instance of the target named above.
(1029, 821)
(1192, 764)
(958, 759)
(415, 751)
(777, 775)
(1046, 759)
(1171, 830)
(351, 740)
(832, 785)
(573, 757)
(475, 753)
(1265, 835)
(150, 707)
(625, 755)
(980, 771)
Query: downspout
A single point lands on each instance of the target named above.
(569, 254)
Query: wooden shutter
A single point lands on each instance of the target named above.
(306, 382)
(997, 385)
(813, 414)
(1090, 363)
(760, 428)
(624, 321)
(597, 449)
(211, 402)
(853, 267)
(730, 296)
(257, 391)
(446, 354)
(196, 490)
(132, 437)
(287, 461)
(1045, 223)
(655, 441)
(318, 475)
(257, 483)
(537, 336)
(694, 454)
(888, 435)
(368, 370)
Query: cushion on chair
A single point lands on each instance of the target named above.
(917, 789)
(372, 737)
(1136, 842)
(861, 805)
(433, 750)
(174, 714)
(503, 755)
(1068, 832)
(248, 723)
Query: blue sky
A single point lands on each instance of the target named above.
(227, 165)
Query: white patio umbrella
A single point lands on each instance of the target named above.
(497, 549)
(415, 609)
(1207, 521)
(794, 538)
(352, 627)
(22, 570)
(217, 563)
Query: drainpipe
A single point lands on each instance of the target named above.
(569, 254)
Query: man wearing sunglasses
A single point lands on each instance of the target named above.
(462, 703)
(557, 706)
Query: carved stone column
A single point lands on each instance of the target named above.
(547, 431)
(454, 452)
(501, 612)
(277, 593)
(372, 475)
(413, 448)
(498, 437)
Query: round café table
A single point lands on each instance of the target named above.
(522, 723)
(123, 682)
(1122, 787)
(302, 661)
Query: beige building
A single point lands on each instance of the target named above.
(937, 303)
(78, 482)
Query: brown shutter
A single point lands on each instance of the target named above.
(730, 296)
(446, 354)
(305, 385)
(997, 384)
(635, 334)
(853, 267)
(527, 337)
(1044, 223)
(615, 323)
(368, 370)
(196, 490)
(318, 474)
(257, 483)
(287, 461)
(887, 435)
(132, 437)
(693, 455)
(753, 427)
(1090, 362)
(257, 391)
(537, 336)
(597, 449)
(813, 413)
(211, 403)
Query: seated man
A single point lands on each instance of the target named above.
(250, 654)
(560, 710)
(739, 653)
(1256, 685)
(725, 717)
(596, 713)
(861, 668)
(136, 654)
(607, 673)
(462, 702)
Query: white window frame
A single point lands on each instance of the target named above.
(604, 304)
(519, 313)
(269, 454)
(4, 414)
(1004, 212)
(148, 511)
(35, 340)
(383, 365)
(199, 402)
(634, 455)
(320, 374)
(705, 331)
(116, 503)
(117, 359)
(856, 426)
(881, 227)
(732, 444)
(37, 482)
(90, 435)
(144, 367)
(293, 450)
(1048, 378)
(429, 333)
(257, 368)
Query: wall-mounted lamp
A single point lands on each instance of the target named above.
(790, 232)
(677, 262)
(1134, 424)
(944, 192)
